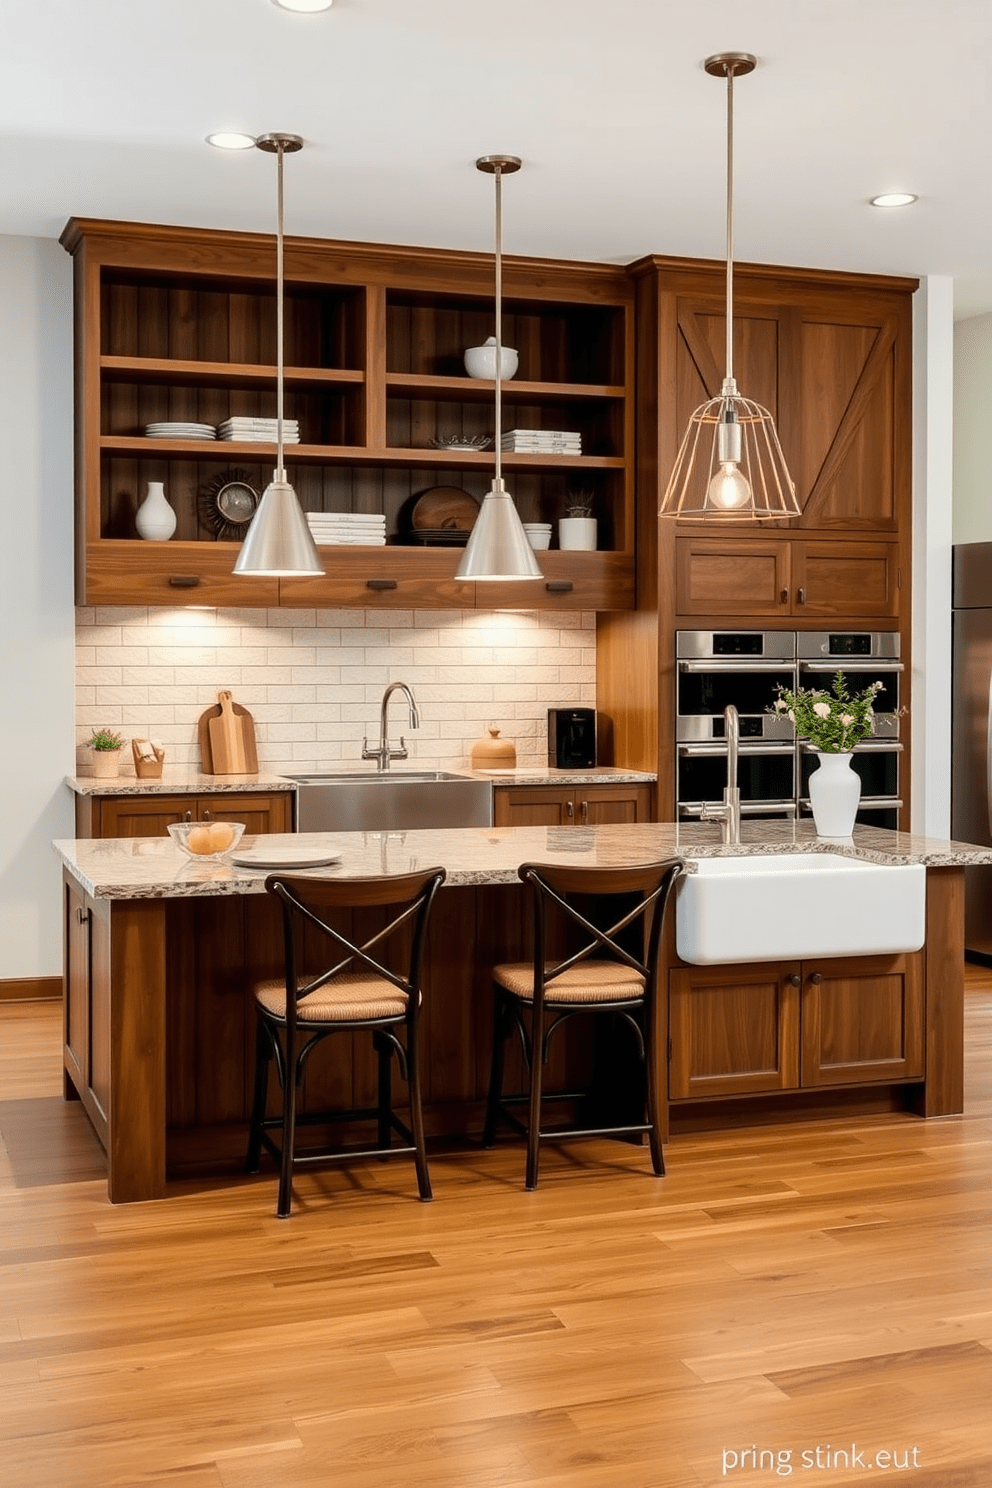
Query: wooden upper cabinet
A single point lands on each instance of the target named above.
(833, 369)
(774, 577)
(176, 325)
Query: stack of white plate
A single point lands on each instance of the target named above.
(258, 430)
(180, 431)
(355, 529)
(541, 442)
(538, 533)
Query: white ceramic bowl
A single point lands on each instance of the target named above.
(480, 361)
(538, 540)
(182, 833)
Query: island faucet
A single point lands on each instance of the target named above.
(728, 813)
(384, 754)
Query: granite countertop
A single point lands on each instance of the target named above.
(181, 781)
(178, 780)
(153, 867)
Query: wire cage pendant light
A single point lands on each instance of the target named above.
(498, 546)
(730, 465)
(278, 542)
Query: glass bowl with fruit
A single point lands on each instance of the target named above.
(206, 839)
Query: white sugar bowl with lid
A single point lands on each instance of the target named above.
(480, 361)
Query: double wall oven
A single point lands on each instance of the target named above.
(715, 668)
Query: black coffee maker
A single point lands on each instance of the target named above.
(572, 738)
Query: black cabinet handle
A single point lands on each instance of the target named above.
(380, 583)
(816, 978)
(795, 980)
(801, 596)
(785, 596)
(82, 914)
(559, 586)
(184, 581)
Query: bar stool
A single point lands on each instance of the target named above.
(360, 987)
(615, 917)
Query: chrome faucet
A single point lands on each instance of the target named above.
(384, 754)
(728, 814)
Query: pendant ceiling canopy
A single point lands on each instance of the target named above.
(730, 465)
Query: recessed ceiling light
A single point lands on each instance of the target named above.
(893, 199)
(228, 140)
(307, 7)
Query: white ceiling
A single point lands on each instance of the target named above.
(104, 105)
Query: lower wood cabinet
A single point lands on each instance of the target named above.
(149, 815)
(740, 1030)
(567, 806)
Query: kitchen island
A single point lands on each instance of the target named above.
(161, 953)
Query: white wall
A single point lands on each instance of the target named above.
(972, 417)
(313, 680)
(933, 405)
(36, 598)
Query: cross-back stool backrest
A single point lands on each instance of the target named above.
(309, 903)
(620, 917)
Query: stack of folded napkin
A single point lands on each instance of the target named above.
(353, 528)
(541, 442)
(258, 430)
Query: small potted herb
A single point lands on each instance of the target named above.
(106, 746)
(577, 528)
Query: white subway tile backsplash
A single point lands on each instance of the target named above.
(313, 680)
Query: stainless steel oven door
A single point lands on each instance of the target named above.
(877, 762)
(766, 777)
(862, 657)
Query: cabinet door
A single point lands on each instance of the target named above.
(260, 813)
(862, 1020)
(732, 575)
(603, 805)
(842, 580)
(142, 816)
(533, 806)
(734, 1030)
(86, 1006)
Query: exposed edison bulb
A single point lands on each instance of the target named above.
(729, 490)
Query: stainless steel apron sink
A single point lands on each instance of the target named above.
(393, 800)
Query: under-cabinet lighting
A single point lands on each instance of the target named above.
(893, 199)
(230, 140)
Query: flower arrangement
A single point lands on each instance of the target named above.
(104, 740)
(833, 722)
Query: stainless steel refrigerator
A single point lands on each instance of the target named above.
(971, 731)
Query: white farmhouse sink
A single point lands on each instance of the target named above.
(794, 905)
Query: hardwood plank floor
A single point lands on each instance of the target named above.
(822, 1289)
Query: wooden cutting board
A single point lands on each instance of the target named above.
(226, 735)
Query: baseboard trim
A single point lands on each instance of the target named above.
(31, 989)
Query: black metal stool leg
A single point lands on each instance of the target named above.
(288, 1138)
(417, 1122)
(536, 1073)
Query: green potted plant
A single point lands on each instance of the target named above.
(833, 723)
(106, 745)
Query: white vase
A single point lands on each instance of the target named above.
(577, 533)
(835, 793)
(155, 518)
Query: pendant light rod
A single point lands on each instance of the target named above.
(498, 548)
(279, 145)
(498, 166)
(730, 65)
(279, 541)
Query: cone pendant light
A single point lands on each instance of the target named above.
(278, 542)
(498, 547)
(730, 465)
